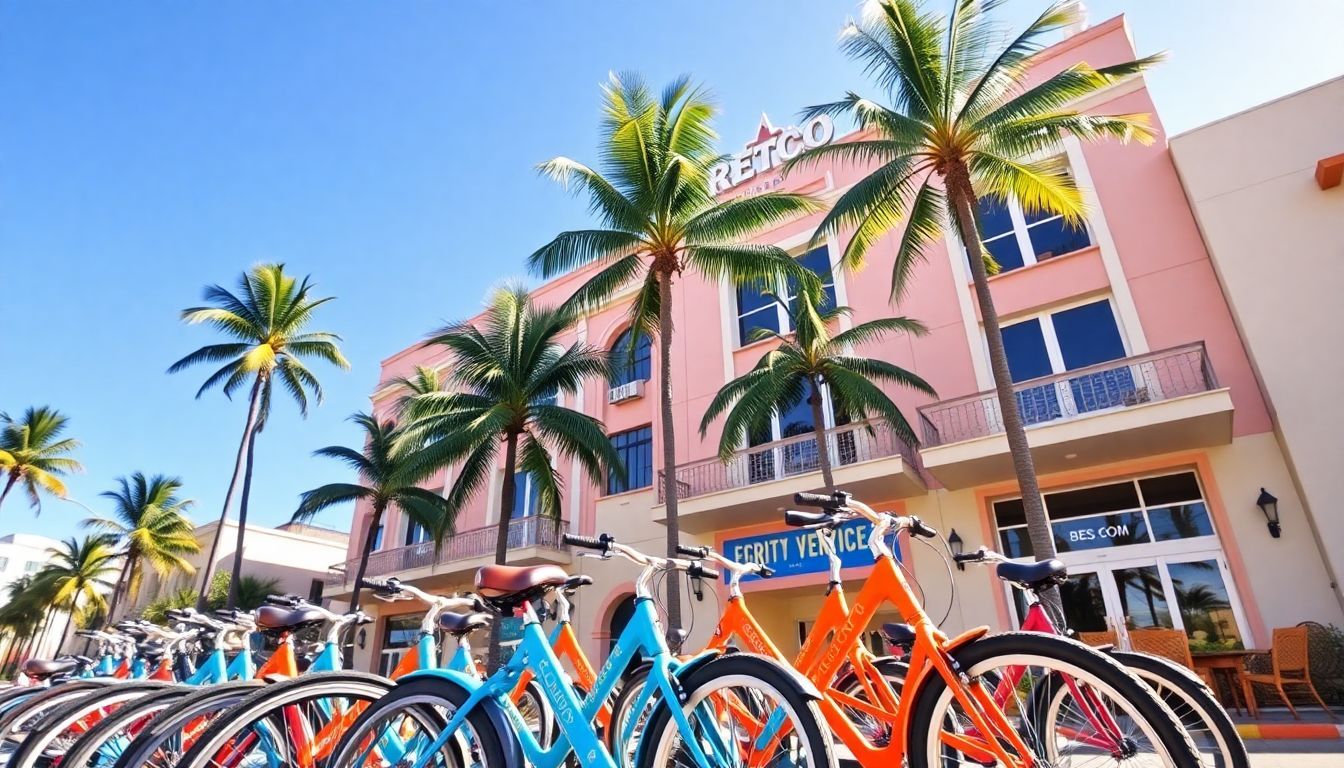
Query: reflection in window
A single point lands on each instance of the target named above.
(1206, 608)
(1084, 605)
(757, 309)
(1015, 238)
(628, 365)
(526, 501)
(1141, 597)
(416, 533)
(1183, 521)
(635, 449)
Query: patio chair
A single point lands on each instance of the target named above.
(1098, 639)
(1170, 644)
(1289, 660)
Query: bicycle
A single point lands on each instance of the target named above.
(444, 718)
(1201, 715)
(943, 712)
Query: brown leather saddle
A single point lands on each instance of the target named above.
(506, 587)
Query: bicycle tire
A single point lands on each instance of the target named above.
(759, 672)
(424, 697)
(95, 748)
(60, 719)
(22, 714)
(258, 706)
(151, 748)
(1065, 656)
(1179, 687)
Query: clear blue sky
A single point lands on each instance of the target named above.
(149, 148)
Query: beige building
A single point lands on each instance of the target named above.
(296, 555)
(1264, 185)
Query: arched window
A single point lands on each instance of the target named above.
(628, 367)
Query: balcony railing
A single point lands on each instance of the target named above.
(464, 545)
(1103, 388)
(847, 444)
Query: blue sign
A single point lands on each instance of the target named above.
(795, 551)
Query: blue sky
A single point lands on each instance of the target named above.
(149, 148)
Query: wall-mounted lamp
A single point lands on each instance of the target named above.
(956, 546)
(1270, 506)
(698, 588)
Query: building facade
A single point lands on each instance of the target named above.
(1265, 186)
(1150, 433)
(24, 554)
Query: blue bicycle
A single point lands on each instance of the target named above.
(448, 719)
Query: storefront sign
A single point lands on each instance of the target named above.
(771, 148)
(795, 551)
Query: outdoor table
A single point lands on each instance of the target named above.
(1230, 664)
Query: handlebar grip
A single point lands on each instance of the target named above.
(703, 571)
(695, 552)
(968, 557)
(765, 572)
(601, 543)
(919, 528)
(814, 500)
(797, 519)
(376, 585)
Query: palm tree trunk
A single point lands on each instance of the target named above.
(669, 443)
(819, 427)
(253, 409)
(963, 198)
(237, 575)
(507, 494)
(9, 485)
(375, 520)
(121, 584)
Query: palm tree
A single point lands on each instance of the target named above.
(33, 451)
(957, 128)
(20, 617)
(426, 379)
(506, 375)
(150, 526)
(267, 318)
(389, 469)
(657, 218)
(253, 591)
(806, 361)
(78, 574)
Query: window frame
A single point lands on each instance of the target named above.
(1047, 322)
(783, 321)
(620, 369)
(607, 489)
(1021, 230)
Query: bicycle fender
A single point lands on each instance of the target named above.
(966, 637)
(498, 719)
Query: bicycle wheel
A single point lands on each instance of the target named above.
(162, 742)
(400, 728)
(621, 713)
(102, 744)
(51, 733)
(295, 722)
(877, 730)
(1109, 716)
(18, 721)
(728, 700)
(1210, 727)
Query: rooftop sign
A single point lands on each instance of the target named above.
(771, 148)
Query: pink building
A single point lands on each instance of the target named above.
(1149, 430)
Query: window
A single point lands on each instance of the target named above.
(635, 449)
(1015, 239)
(526, 502)
(549, 397)
(415, 533)
(4, 563)
(376, 539)
(628, 366)
(315, 591)
(801, 456)
(1165, 508)
(756, 308)
(32, 566)
(1067, 340)
(399, 634)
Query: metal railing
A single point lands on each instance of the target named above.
(790, 457)
(1102, 388)
(464, 545)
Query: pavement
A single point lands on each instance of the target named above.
(1296, 753)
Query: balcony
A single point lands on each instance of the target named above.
(532, 541)
(1123, 409)
(751, 487)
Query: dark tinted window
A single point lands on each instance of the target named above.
(1091, 501)
(1181, 521)
(635, 449)
(1087, 335)
(994, 218)
(628, 365)
(1025, 347)
(1010, 512)
(1055, 237)
(1170, 489)
(818, 260)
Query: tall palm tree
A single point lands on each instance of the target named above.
(151, 528)
(389, 469)
(961, 123)
(505, 377)
(77, 574)
(267, 319)
(426, 379)
(805, 362)
(33, 451)
(656, 218)
(20, 617)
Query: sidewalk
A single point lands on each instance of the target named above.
(1279, 724)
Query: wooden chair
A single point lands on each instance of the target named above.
(1288, 656)
(1098, 639)
(1173, 645)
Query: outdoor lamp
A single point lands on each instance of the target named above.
(698, 588)
(956, 546)
(1270, 506)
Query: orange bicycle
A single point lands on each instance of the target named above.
(944, 712)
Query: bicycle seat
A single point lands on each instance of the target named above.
(459, 624)
(899, 635)
(41, 669)
(274, 618)
(574, 582)
(507, 586)
(1034, 576)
